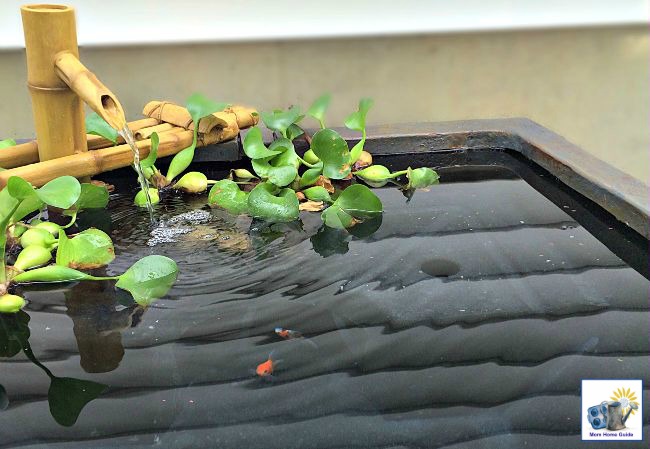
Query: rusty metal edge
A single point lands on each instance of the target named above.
(622, 195)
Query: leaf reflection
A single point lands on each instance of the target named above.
(66, 396)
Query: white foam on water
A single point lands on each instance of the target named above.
(192, 217)
(169, 231)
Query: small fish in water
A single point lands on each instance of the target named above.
(287, 334)
(265, 369)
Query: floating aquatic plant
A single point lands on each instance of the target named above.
(147, 279)
(313, 178)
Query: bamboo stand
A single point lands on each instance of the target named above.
(173, 139)
(58, 83)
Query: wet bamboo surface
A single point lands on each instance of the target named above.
(459, 323)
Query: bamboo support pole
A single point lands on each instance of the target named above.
(58, 111)
(27, 153)
(58, 82)
(98, 161)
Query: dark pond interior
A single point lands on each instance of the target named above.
(465, 318)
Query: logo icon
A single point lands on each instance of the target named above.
(611, 409)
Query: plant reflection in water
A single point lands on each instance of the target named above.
(98, 319)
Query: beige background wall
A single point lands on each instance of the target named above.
(590, 85)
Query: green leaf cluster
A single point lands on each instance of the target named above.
(328, 159)
(148, 279)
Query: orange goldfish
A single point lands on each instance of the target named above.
(287, 334)
(265, 369)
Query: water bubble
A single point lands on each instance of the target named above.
(192, 217)
(163, 234)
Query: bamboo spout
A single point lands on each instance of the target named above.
(85, 84)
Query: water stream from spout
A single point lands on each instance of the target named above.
(126, 133)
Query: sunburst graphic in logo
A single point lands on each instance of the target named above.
(626, 398)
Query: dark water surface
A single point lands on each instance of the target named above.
(468, 319)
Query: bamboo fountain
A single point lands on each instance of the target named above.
(59, 84)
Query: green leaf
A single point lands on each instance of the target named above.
(61, 192)
(181, 161)
(355, 203)
(309, 177)
(89, 249)
(281, 120)
(7, 204)
(280, 176)
(150, 160)
(319, 107)
(68, 396)
(149, 278)
(317, 193)
(357, 120)
(19, 188)
(54, 273)
(294, 131)
(332, 149)
(287, 153)
(254, 145)
(226, 194)
(6, 143)
(421, 178)
(357, 149)
(98, 126)
(199, 106)
(91, 197)
(263, 203)
(30, 204)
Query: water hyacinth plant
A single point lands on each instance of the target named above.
(283, 182)
(321, 180)
(147, 279)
